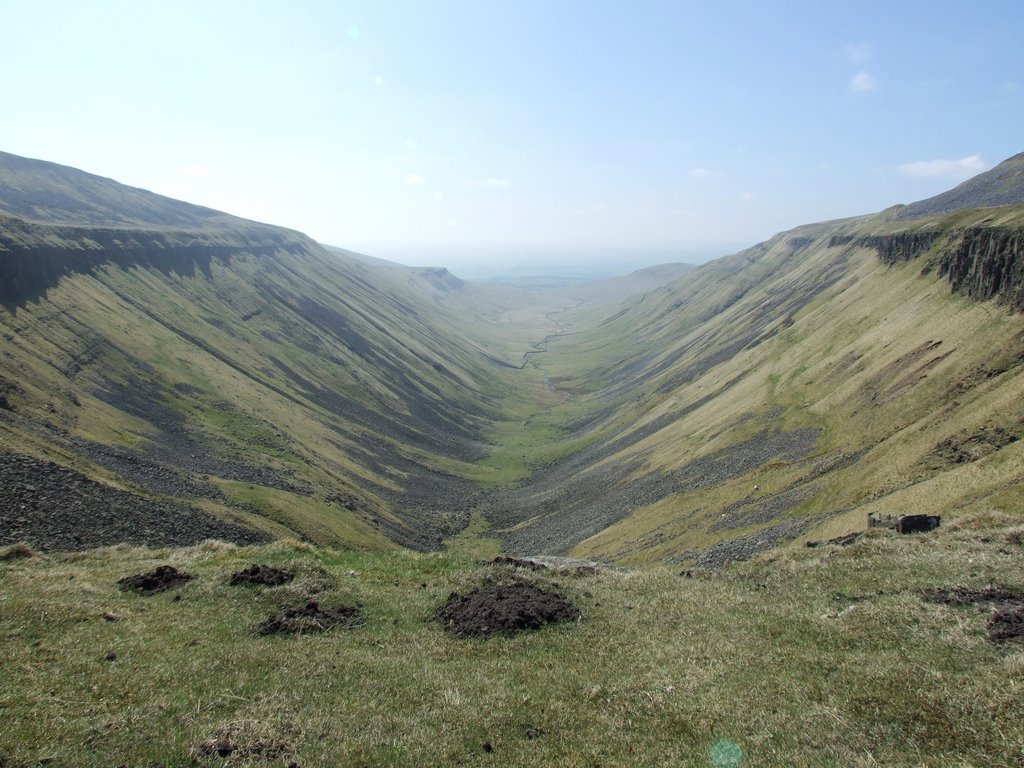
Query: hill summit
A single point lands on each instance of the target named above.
(1002, 185)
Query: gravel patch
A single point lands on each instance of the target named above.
(55, 508)
(745, 547)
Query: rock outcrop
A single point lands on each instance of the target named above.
(987, 263)
(900, 247)
(34, 257)
(983, 263)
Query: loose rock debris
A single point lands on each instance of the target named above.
(262, 575)
(504, 608)
(158, 580)
(311, 618)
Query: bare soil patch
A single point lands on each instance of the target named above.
(970, 446)
(1007, 619)
(158, 580)
(311, 618)
(1006, 623)
(960, 595)
(261, 575)
(510, 606)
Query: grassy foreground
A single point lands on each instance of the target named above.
(806, 657)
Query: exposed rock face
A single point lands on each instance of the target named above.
(987, 263)
(34, 257)
(980, 262)
(904, 246)
(839, 240)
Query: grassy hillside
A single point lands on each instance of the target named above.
(784, 393)
(855, 656)
(1003, 185)
(325, 379)
(44, 192)
(238, 370)
(244, 375)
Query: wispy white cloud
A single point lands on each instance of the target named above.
(699, 173)
(747, 197)
(414, 180)
(858, 53)
(963, 168)
(194, 170)
(863, 82)
(503, 182)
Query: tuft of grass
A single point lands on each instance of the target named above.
(17, 551)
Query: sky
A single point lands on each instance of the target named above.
(489, 135)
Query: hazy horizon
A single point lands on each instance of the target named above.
(599, 133)
(486, 262)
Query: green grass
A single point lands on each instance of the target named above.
(315, 520)
(803, 658)
(473, 541)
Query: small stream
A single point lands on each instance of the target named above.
(541, 346)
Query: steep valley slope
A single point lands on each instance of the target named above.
(867, 365)
(240, 381)
(230, 369)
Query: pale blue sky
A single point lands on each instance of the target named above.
(434, 131)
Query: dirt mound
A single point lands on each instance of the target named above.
(965, 596)
(311, 618)
(504, 608)
(158, 580)
(1007, 619)
(265, 575)
(1006, 623)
